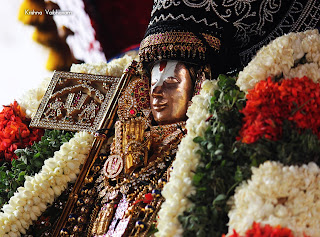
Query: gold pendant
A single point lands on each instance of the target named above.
(113, 166)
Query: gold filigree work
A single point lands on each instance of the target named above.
(168, 43)
(75, 102)
(137, 197)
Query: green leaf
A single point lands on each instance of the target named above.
(21, 166)
(21, 176)
(238, 177)
(3, 175)
(14, 185)
(219, 198)
(197, 178)
(198, 139)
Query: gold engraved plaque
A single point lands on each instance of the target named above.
(75, 102)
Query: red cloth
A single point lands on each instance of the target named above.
(119, 24)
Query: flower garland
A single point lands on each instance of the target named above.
(276, 194)
(31, 100)
(300, 105)
(14, 131)
(218, 170)
(114, 68)
(279, 195)
(32, 199)
(270, 103)
(179, 187)
(280, 58)
(30, 161)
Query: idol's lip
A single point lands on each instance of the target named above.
(159, 107)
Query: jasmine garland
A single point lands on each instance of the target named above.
(291, 55)
(32, 199)
(48, 184)
(113, 68)
(179, 187)
(288, 196)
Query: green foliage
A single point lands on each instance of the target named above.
(219, 171)
(294, 148)
(225, 162)
(29, 162)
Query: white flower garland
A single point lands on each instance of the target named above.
(114, 68)
(279, 57)
(31, 100)
(32, 199)
(29, 202)
(279, 195)
(177, 190)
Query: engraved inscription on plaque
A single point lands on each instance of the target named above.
(75, 102)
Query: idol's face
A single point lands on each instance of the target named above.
(171, 90)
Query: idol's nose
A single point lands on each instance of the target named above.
(157, 89)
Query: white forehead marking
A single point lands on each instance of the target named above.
(158, 77)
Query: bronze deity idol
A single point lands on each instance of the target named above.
(171, 89)
(143, 149)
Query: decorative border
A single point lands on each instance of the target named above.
(165, 44)
(178, 38)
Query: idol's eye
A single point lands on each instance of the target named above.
(171, 80)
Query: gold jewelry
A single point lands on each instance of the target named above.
(133, 190)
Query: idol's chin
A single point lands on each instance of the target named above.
(161, 114)
(162, 119)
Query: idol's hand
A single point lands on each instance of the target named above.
(135, 144)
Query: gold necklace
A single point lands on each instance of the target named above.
(131, 193)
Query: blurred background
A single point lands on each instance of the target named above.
(38, 37)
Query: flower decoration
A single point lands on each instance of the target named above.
(179, 187)
(265, 231)
(31, 100)
(288, 196)
(14, 131)
(32, 199)
(276, 195)
(270, 103)
(113, 68)
(291, 55)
